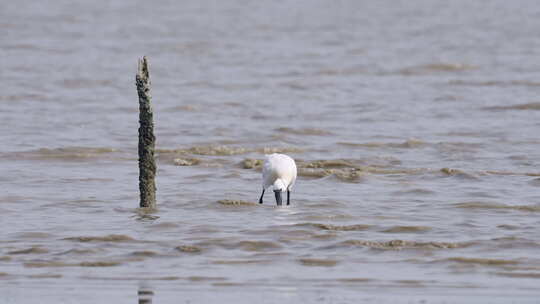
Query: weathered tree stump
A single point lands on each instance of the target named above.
(147, 140)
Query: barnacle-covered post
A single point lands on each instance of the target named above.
(147, 140)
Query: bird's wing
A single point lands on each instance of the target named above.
(267, 172)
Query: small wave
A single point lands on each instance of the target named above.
(408, 144)
(436, 68)
(406, 229)
(535, 182)
(87, 180)
(535, 106)
(241, 262)
(535, 275)
(326, 204)
(400, 244)
(482, 261)
(45, 276)
(246, 245)
(345, 175)
(170, 157)
(184, 108)
(411, 283)
(165, 225)
(107, 238)
(299, 235)
(456, 147)
(66, 153)
(513, 242)
(203, 278)
(330, 217)
(328, 164)
(313, 173)
(256, 245)
(304, 131)
(98, 264)
(341, 72)
(494, 83)
(296, 85)
(220, 150)
(81, 83)
(508, 227)
(22, 46)
(24, 97)
(488, 205)
(189, 249)
(270, 150)
(357, 227)
(186, 161)
(144, 253)
(132, 278)
(236, 203)
(458, 173)
(62, 264)
(416, 192)
(354, 280)
(217, 150)
(206, 150)
(408, 171)
(32, 250)
(229, 284)
(250, 163)
(318, 262)
(510, 173)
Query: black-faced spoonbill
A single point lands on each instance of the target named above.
(279, 171)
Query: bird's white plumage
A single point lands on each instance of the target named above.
(279, 171)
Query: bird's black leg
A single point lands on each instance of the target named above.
(288, 197)
(278, 197)
(260, 199)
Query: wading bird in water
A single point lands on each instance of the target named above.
(279, 171)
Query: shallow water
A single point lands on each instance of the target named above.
(414, 126)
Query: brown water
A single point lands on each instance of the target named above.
(414, 125)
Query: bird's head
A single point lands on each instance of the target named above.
(279, 185)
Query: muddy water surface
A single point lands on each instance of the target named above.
(414, 125)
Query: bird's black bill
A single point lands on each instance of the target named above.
(260, 199)
(278, 197)
(288, 197)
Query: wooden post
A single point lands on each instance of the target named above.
(147, 164)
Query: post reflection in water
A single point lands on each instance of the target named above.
(411, 124)
(145, 295)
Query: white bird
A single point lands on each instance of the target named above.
(279, 171)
